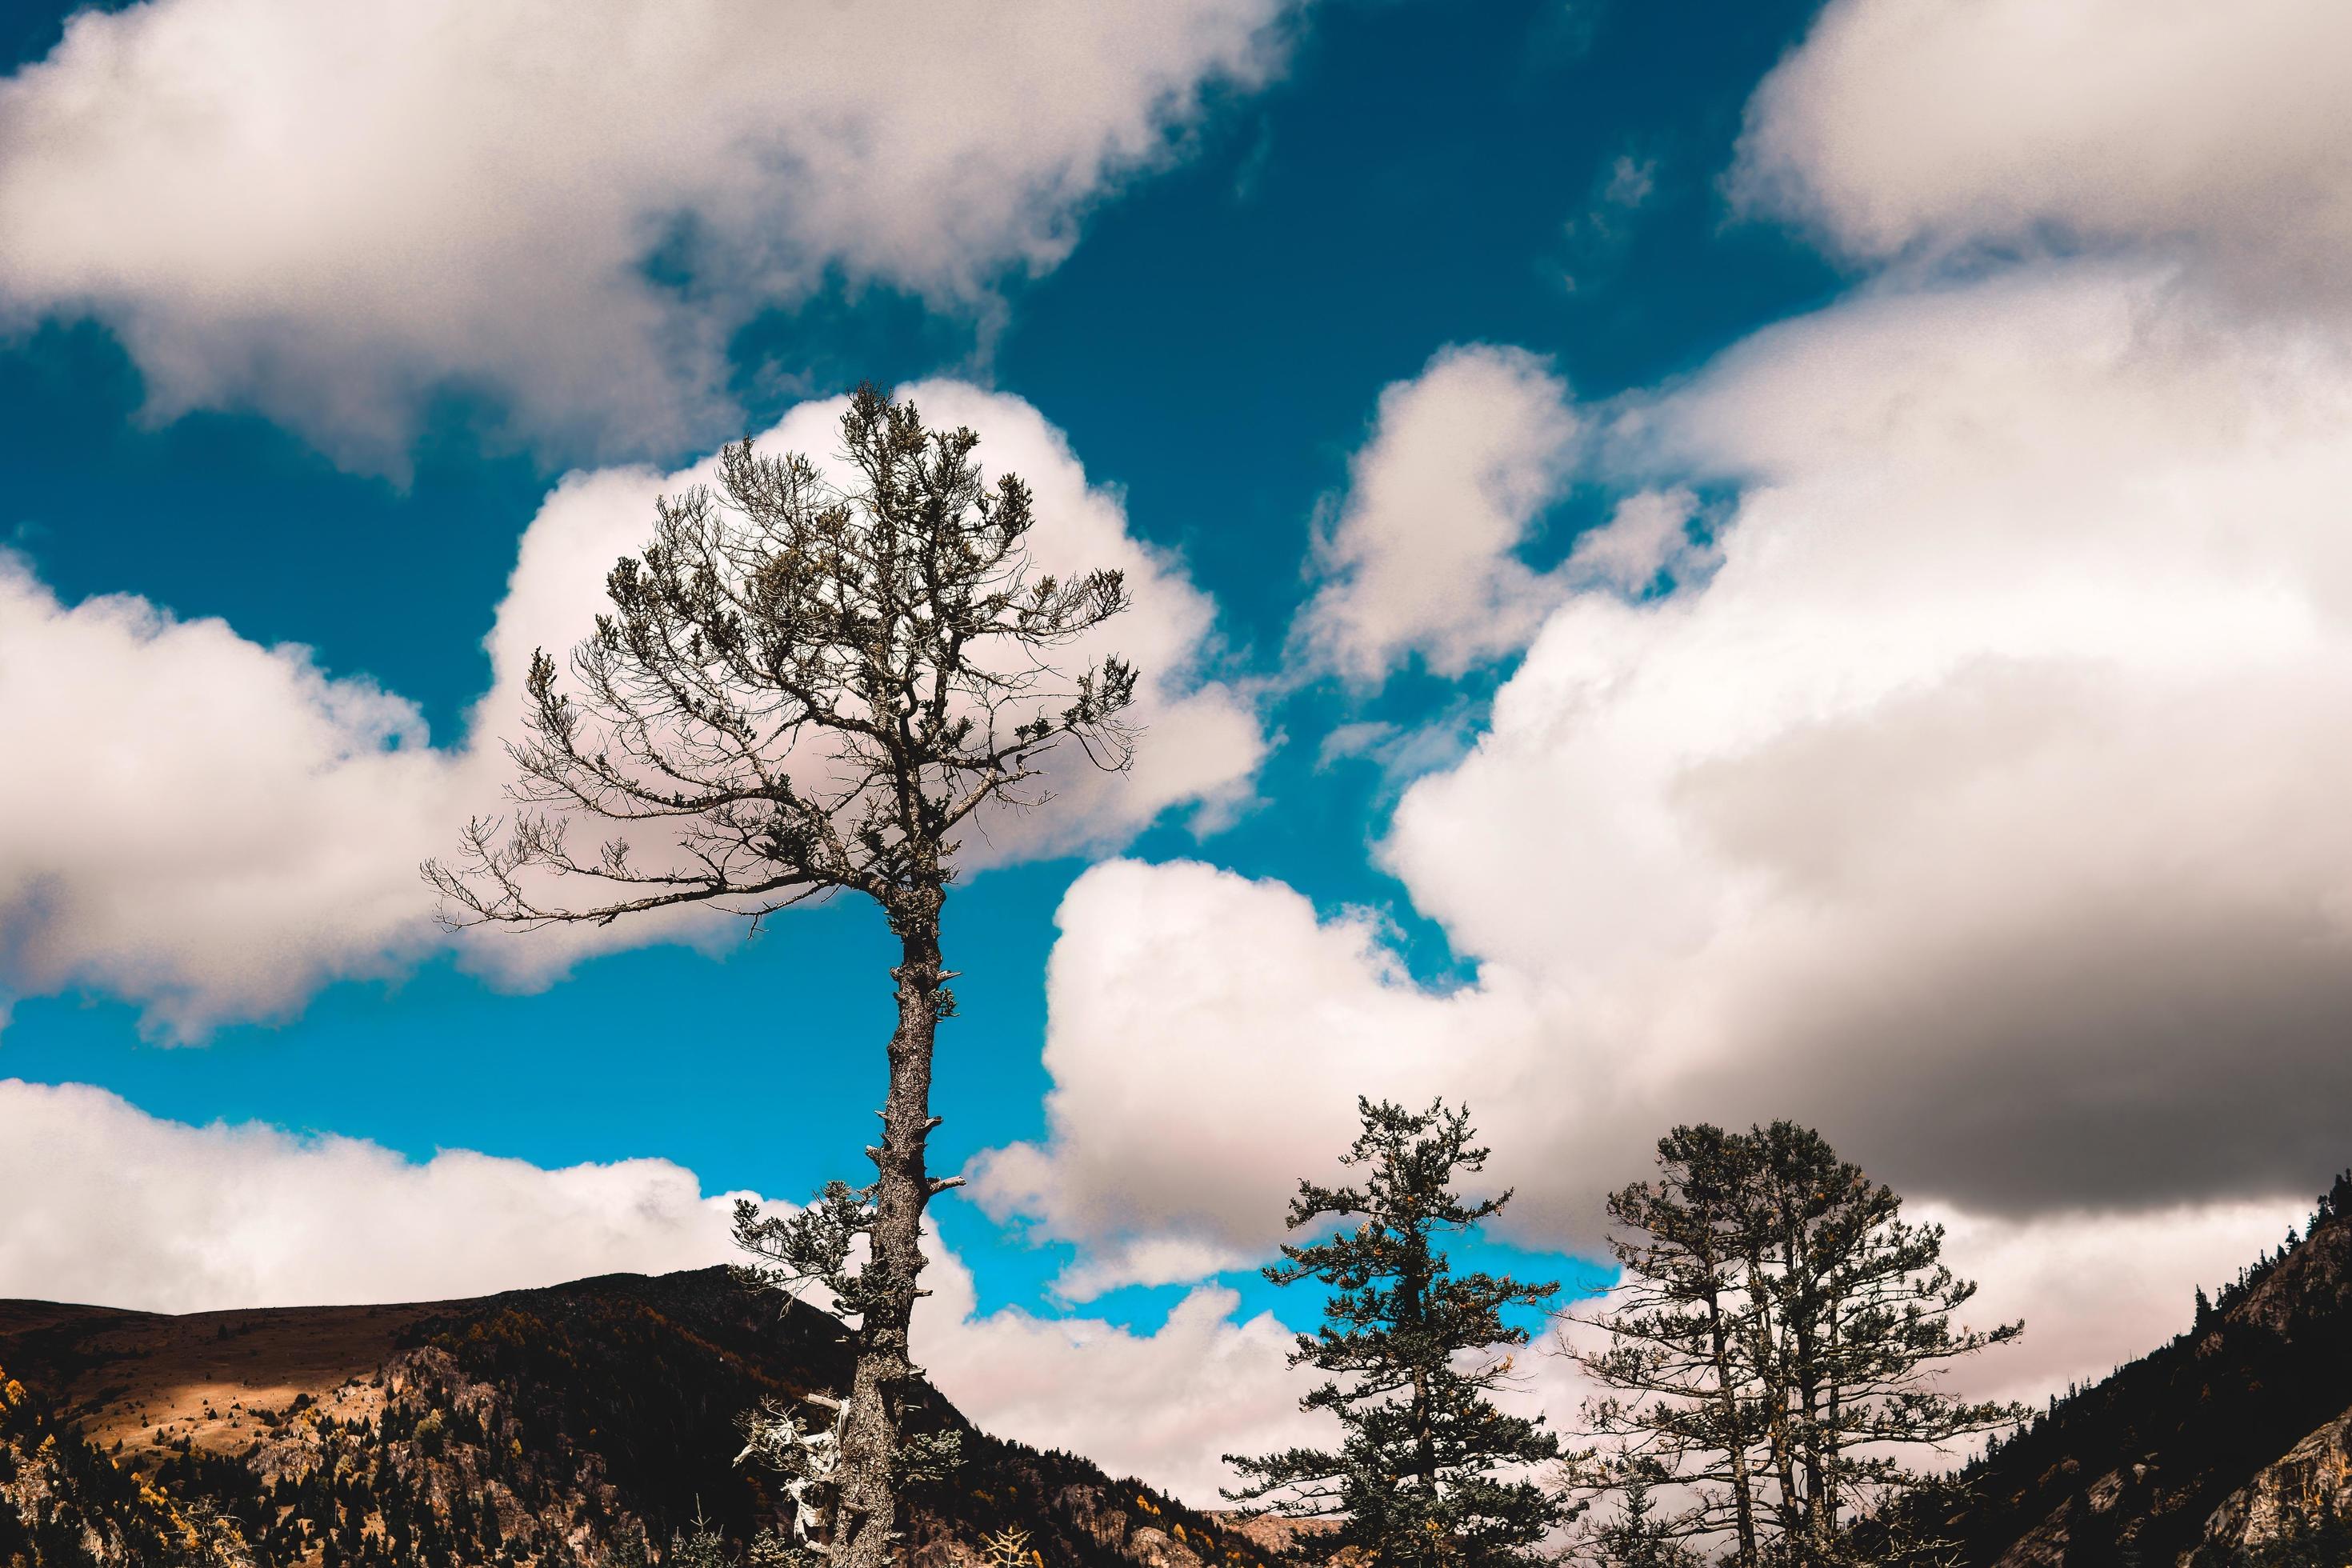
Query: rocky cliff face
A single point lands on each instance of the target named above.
(570, 1427)
(2224, 1447)
(2312, 1482)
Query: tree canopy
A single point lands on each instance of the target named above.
(802, 688)
(1771, 1352)
(1431, 1472)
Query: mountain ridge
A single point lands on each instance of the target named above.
(2227, 1446)
(569, 1427)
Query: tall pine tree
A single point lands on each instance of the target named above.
(1773, 1350)
(801, 689)
(1430, 1472)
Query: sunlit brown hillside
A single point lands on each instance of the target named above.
(583, 1425)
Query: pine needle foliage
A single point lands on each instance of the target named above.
(1430, 1473)
(1772, 1351)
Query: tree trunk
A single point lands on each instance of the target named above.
(1412, 1286)
(1735, 1433)
(1832, 1420)
(865, 1530)
(1770, 1367)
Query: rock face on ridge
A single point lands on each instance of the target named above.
(2312, 1480)
(2227, 1446)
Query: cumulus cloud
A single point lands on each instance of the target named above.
(1983, 792)
(188, 818)
(1207, 1035)
(1422, 559)
(331, 214)
(1979, 808)
(1980, 800)
(1174, 1150)
(1203, 740)
(2216, 131)
(215, 829)
(1164, 1405)
(113, 1206)
(1190, 1130)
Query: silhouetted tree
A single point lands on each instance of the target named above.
(800, 690)
(1777, 1342)
(1423, 1477)
(1685, 1408)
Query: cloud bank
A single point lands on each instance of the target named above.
(2212, 133)
(1974, 801)
(1982, 799)
(122, 1209)
(332, 214)
(160, 1216)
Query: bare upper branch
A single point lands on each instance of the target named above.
(797, 689)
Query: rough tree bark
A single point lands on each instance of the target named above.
(885, 1376)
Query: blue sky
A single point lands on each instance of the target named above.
(1215, 346)
(1768, 588)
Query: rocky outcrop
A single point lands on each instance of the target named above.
(2197, 1453)
(2312, 1480)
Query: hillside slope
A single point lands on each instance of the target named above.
(2213, 1451)
(567, 1428)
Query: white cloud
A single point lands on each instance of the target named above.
(1178, 1138)
(330, 213)
(1979, 809)
(115, 1207)
(1981, 792)
(2216, 130)
(111, 1205)
(1164, 1405)
(1647, 536)
(1202, 740)
(190, 819)
(1208, 1036)
(2095, 1290)
(1147, 1260)
(215, 829)
(1462, 461)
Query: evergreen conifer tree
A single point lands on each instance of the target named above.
(1774, 1347)
(800, 690)
(1425, 1475)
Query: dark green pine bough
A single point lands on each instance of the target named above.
(800, 690)
(1430, 1473)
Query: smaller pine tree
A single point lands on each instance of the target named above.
(1430, 1473)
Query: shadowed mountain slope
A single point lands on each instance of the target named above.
(2231, 1445)
(568, 1427)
